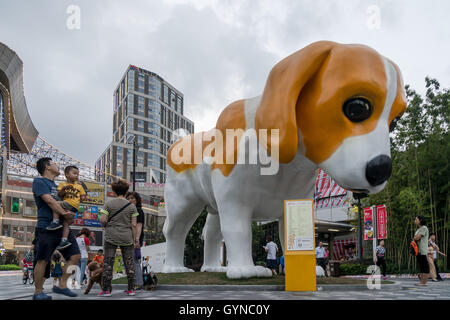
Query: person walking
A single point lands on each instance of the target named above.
(432, 274)
(436, 251)
(119, 217)
(83, 244)
(136, 199)
(421, 237)
(380, 253)
(320, 257)
(145, 265)
(45, 195)
(271, 249)
(326, 260)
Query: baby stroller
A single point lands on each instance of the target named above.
(150, 280)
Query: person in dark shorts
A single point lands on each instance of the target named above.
(271, 249)
(45, 195)
(421, 237)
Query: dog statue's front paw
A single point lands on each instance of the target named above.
(248, 272)
(175, 269)
(213, 269)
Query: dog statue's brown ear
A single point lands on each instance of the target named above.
(283, 87)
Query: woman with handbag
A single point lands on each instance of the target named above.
(119, 217)
(136, 199)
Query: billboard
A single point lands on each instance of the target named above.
(95, 193)
(381, 221)
(368, 224)
(87, 216)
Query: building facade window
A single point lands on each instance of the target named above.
(152, 86)
(131, 80)
(140, 159)
(119, 154)
(179, 104)
(173, 101)
(141, 83)
(141, 106)
(6, 230)
(140, 125)
(130, 124)
(130, 157)
(158, 89)
(130, 104)
(18, 232)
(166, 94)
(153, 128)
(140, 140)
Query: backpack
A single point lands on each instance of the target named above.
(413, 248)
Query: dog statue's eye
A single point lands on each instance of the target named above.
(394, 123)
(357, 109)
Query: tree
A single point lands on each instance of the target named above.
(193, 253)
(420, 180)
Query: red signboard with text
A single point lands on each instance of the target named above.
(381, 222)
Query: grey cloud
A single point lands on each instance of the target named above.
(213, 51)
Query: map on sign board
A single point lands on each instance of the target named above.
(299, 225)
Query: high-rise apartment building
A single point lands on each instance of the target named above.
(150, 109)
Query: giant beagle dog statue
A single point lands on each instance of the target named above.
(333, 105)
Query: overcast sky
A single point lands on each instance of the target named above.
(214, 52)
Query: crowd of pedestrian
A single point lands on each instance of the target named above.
(427, 252)
(57, 251)
(55, 248)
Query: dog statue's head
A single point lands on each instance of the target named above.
(336, 104)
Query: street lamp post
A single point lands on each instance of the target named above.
(133, 141)
(134, 162)
(359, 196)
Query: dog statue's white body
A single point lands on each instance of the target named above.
(236, 197)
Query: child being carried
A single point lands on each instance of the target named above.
(72, 193)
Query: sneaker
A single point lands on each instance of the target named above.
(139, 288)
(54, 226)
(104, 294)
(130, 293)
(63, 244)
(65, 291)
(42, 296)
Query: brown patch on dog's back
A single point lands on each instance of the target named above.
(232, 117)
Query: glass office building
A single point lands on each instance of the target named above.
(150, 109)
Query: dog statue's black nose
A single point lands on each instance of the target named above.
(378, 170)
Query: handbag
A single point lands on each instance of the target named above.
(116, 213)
(137, 253)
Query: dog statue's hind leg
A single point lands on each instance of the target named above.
(212, 239)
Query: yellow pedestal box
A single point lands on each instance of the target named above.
(299, 256)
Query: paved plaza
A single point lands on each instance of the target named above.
(11, 288)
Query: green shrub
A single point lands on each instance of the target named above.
(6, 267)
(352, 269)
(261, 263)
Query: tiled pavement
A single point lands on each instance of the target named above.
(11, 288)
